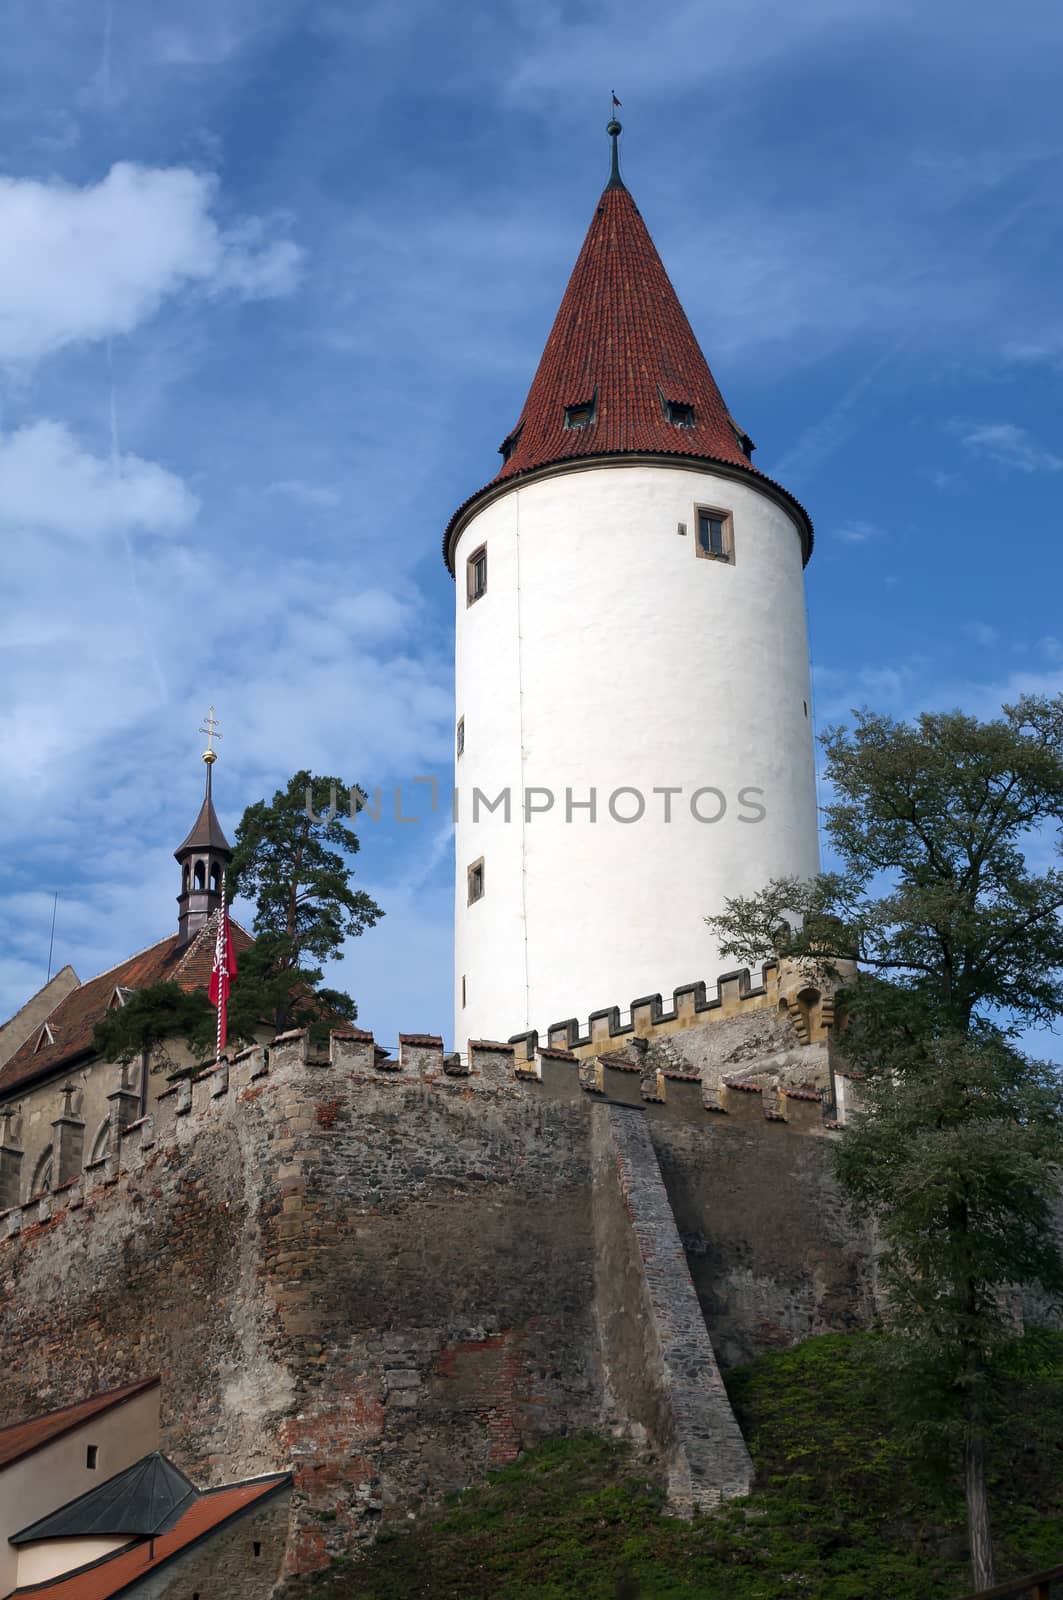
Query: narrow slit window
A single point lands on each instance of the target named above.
(476, 881)
(92, 1457)
(715, 541)
(459, 738)
(476, 574)
(464, 992)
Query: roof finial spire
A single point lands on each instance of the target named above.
(210, 755)
(614, 130)
(210, 728)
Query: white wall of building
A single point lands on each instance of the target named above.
(52, 1557)
(606, 655)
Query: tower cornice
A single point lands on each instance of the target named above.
(499, 487)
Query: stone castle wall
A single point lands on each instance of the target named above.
(388, 1276)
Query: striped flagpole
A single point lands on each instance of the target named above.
(221, 962)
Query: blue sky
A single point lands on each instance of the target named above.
(274, 278)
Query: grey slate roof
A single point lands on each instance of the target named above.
(145, 1499)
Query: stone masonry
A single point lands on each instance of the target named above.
(390, 1276)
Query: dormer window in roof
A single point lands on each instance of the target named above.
(510, 442)
(679, 413)
(119, 996)
(44, 1039)
(583, 413)
(744, 442)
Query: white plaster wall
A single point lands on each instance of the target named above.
(39, 1562)
(606, 654)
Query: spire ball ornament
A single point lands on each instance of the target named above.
(614, 129)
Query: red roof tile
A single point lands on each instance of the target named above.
(22, 1438)
(116, 1573)
(622, 343)
(72, 1021)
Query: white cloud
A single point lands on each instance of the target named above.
(86, 263)
(983, 633)
(1007, 444)
(856, 531)
(307, 494)
(1046, 350)
(179, 46)
(48, 481)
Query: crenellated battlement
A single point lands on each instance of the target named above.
(807, 999)
(352, 1060)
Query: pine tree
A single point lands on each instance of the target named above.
(294, 862)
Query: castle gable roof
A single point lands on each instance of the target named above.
(73, 1019)
(126, 1569)
(144, 1500)
(23, 1438)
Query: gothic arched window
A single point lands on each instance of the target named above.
(42, 1175)
(201, 875)
(101, 1145)
(215, 878)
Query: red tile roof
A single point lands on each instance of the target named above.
(621, 341)
(72, 1021)
(22, 1438)
(114, 1574)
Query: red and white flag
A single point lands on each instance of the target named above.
(223, 972)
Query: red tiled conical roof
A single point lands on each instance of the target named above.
(621, 342)
(621, 346)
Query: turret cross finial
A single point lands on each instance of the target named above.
(210, 728)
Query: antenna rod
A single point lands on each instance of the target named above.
(51, 940)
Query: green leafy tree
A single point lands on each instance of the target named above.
(152, 1015)
(948, 895)
(293, 859)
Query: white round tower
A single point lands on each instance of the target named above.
(634, 738)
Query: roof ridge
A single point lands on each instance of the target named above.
(98, 1402)
(124, 962)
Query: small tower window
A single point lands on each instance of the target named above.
(215, 879)
(476, 575)
(200, 875)
(715, 540)
(476, 880)
(92, 1456)
(184, 878)
(582, 414)
(679, 413)
(460, 736)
